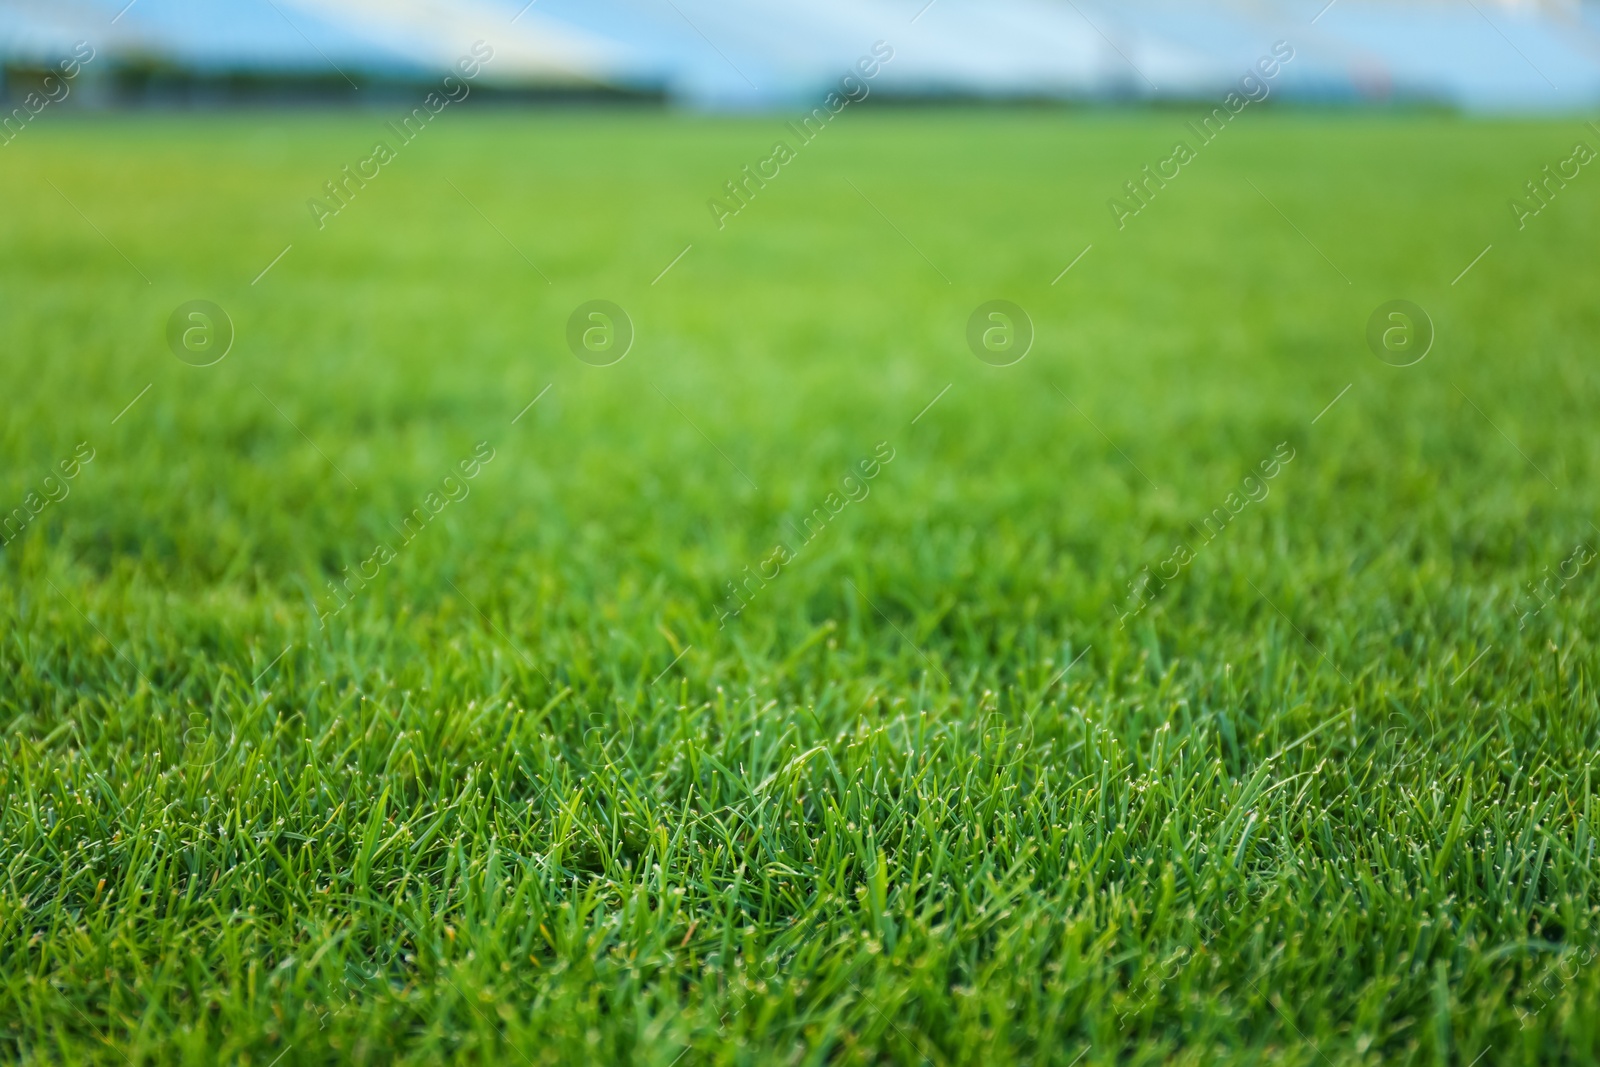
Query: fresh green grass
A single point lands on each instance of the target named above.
(1328, 799)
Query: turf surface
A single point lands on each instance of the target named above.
(941, 790)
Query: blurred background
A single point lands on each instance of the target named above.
(1506, 56)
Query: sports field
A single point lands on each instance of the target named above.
(801, 687)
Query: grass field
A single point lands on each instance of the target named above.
(940, 791)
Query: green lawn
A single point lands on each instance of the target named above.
(940, 791)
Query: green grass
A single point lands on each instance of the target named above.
(1329, 798)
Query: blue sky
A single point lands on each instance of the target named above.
(1478, 54)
